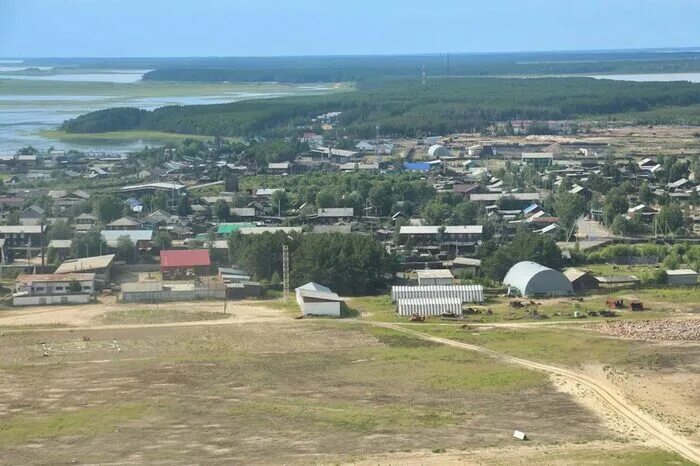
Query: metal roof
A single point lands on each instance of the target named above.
(496, 196)
(185, 258)
(261, 230)
(681, 272)
(28, 279)
(112, 236)
(434, 273)
(336, 212)
(86, 263)
(531, 278)
(450, 230)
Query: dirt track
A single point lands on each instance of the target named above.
(617, 403)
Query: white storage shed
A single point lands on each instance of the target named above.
(318, 300)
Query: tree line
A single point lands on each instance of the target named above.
(404, 107)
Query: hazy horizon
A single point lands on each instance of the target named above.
(238, 28)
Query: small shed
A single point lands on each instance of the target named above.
(681, 277)
(434, 277)
(581, 280)
(318, 300)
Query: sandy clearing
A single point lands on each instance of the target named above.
(607, 394)
(85, 316)
(522, 453)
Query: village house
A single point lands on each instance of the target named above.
(180, 264)
(101, 266)
(71, 288)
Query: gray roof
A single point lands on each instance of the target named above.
(531, 278)
(434, 229)
(86, 263)
(434, 273)
(112, 236)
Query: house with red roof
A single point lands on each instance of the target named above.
(184, 263)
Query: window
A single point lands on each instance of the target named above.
(59, 288)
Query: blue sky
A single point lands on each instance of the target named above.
(65, 28)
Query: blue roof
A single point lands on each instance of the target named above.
(132, 202)
(530, 208)
(417, 166)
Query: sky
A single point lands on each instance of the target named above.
(173, 28)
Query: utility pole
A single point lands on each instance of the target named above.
(41, 234)
(285, 270)
(377, 155)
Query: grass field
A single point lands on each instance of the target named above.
(570, 346)
(313, 391)
(659, 302)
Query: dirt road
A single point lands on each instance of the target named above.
(617, 403)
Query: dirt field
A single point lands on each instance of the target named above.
(256, 393)
(176, 384)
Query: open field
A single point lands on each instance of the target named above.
(659, 302)
(145, 384)
(294, 393)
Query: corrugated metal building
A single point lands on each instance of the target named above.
(429, 307)
(682, 277)
(532, 279)
(318, 300)
(465, 293)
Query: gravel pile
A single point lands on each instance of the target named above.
(688, 330)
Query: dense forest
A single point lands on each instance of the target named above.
(405, 107)
(362, 68)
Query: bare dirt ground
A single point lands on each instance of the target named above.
(89, 314)
(609, 397)
(260, 387)
(603, 453)
(261, 393)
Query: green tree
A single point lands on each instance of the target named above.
(107, 207)
(464, 213)
(524, 247)
(646, 196)
(183, 206)
(222, 211)
(671, 217)
(126, 250)
(162, 240)
(12, 217)
(160, 201)
(60, 230)
(569, 207)
(436, 212)
(87, 244)
(280, 201)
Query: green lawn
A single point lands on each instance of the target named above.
(659, 302)
(84, 421)
(566, 346)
